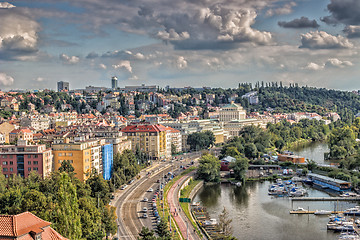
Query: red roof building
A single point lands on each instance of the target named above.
(26, 226)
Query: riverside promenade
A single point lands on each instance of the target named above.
(184, 225)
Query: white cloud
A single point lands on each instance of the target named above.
(352, 31)
(334, 62)
(286, 9)
(123, 65)
(172, 35)
(39, 79)
(102, 66)
(69, 59)
(18, 35)
(181, 62)
(323, 40)
(314, 66)
(6, 5)
(6, 80)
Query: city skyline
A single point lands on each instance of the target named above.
(183, 43)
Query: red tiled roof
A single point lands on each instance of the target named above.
(144, 128)
(24, 223)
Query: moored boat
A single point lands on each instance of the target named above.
(322, 212)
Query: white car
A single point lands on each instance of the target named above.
(145, 199)
(124, 187)
(150, 190)
(145, 210)
(144, 215)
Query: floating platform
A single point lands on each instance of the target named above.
(311, 212)
(349, 199)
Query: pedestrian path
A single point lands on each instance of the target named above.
(185, 227)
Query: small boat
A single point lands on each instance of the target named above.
(322, 212)
(349, 194)
(348, 236)
(353, 211)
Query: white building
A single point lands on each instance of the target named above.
(232, 112)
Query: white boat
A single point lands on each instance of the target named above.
(349, 194)
(238, 184)
(353, 211)
(348, 236)
(322, 212)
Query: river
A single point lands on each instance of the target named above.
(314, 151)
(257, 216)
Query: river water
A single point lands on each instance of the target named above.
(314, 151)
(257, 216)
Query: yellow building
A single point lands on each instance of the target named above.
(150, 139)
(80, 155)
(232, 112)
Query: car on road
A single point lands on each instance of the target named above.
(144, 209)
(150, 190)
(145, 215)
(123, 187)
(145, 199)
(131, 181)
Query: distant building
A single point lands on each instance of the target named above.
(114, 83)
(141, 88)
(63, 86)
(107, 160)
(252, 98)
(27, 226)
(232, 112)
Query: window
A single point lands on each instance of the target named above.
(11, 163)
(59, 161)
(60, 154)
(29, 162)
(4, 156)
(10, 156)
(29, 169)
(11, 169)
(5, 169)
(35, 162)
(36, 169)
(36, 156)
(5, 163)
(69, 154)
(29, 156)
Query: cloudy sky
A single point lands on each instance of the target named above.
(216, 43)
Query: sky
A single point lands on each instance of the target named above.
(213, 43)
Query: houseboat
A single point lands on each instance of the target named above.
(331, 183)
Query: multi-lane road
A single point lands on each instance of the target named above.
(129, 202)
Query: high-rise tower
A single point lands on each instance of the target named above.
(63, 86)
(114, 83)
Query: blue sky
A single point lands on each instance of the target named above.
(179, 43)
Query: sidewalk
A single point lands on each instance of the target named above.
(185, 226)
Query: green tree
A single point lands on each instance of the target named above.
(66, 166)
(91, 224)
(240, 167)
(146, 234)
(250, 150)
(162, 230)
(67, 210)
(209, 168)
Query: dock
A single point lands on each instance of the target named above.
(311, 212)
(348, 199)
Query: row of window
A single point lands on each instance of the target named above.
(11, 156)
(12, 169)
(12, 163)
(64, 154)
(60, 161)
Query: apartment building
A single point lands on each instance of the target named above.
(151, 139)
(22, 158)
(85, 157)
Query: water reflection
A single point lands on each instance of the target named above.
(210, 194)
(256, 215)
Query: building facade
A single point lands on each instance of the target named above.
(231, 112)
(22, 159)
(150, 139)
(63, 86)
